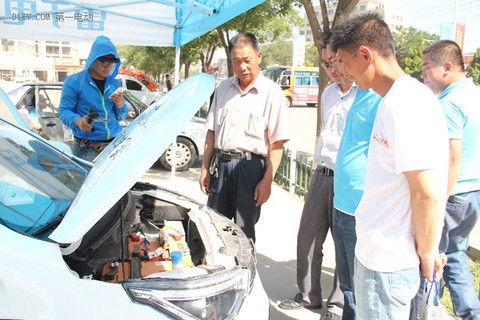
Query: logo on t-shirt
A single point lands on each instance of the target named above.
(381, 140)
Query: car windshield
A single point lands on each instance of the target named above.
(37, 182)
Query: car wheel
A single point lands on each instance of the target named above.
(185, 155)
(309, 104)
(288, 102)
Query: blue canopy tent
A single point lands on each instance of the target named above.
(163, 23)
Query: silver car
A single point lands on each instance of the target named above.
(42, 99)
(81, 240)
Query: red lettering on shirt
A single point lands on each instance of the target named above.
(382, 141)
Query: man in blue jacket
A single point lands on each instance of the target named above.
(90, 104)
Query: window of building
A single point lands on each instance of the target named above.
(66, 51)
(52, 50)
(7, 45)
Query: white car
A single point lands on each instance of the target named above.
(138, 89)
(91, 242)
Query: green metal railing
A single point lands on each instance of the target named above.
(295, 172)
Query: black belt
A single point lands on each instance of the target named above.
(238, 155)
(97, 145)
(325, 171)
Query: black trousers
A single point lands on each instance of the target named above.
(231, 192)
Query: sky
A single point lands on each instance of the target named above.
(429, 14)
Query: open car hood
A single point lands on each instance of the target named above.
(131, 154)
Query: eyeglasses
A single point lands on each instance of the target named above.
(107, 64)
(326, 64)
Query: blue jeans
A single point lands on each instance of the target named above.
(83, 151)
(460, 218)
(345, 239)
(384, 295)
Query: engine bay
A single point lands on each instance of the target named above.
(135, 240)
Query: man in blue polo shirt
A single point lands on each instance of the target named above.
(444, 73)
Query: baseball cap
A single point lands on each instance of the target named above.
(108, 58)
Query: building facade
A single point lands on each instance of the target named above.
(390, 10)
(31, 60)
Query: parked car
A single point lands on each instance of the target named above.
(142, 77)
(44, 99)
(138, 89)
(82, 240)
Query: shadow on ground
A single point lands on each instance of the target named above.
(279, 281)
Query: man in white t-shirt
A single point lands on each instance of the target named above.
(400, 216)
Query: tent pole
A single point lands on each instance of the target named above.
(176, 78)
(177, 64)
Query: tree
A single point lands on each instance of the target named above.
(160, 60)
(343, 10)
(311, 56)
(205, 49)
(189, 54)
(277, 53)
(474, 67)
(152, 60)
(269, 21)
(409, 46)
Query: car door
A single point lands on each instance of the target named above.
(47, 101)
(138, 90)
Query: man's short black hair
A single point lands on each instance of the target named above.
(367, 29)
(442, 51)
(326, 40)
(242, 40)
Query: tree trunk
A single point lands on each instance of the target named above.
(225, 39)
(318, 35)
(344, 8)
(187, 70)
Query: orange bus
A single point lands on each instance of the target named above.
(299, 84)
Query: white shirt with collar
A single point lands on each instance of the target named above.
(251, 120)
(334, 106)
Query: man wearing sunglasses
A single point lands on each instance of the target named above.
(91, 105)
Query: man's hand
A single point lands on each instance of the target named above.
(83, 124)
(204, 181)
(209, 152)
(437, 263)
(264, 187)
(262, 192)
(117, 97)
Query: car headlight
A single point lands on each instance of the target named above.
(213, 296)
